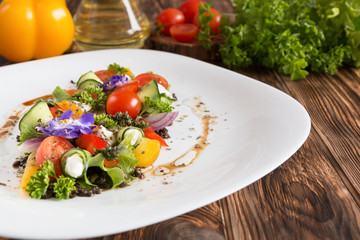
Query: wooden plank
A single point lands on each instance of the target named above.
(302, 199)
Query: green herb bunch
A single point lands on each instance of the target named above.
(293, 36)
(40, 182)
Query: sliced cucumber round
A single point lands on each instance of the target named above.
(138, 135)
(87, 76)
(74, 162)
(38, 112)
(88, 82)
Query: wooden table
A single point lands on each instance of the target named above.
(313, 195)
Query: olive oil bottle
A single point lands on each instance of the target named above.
(101, 24)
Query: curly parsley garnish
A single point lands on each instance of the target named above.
(40, 182)
(93, 96)
(117, 69)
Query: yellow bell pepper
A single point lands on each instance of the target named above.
(34, 29)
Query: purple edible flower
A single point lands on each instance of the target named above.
(114, 82)
(66, 127)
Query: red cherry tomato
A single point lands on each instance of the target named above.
(144, 78)
(214, 23)
(51, 148)
(169, 17)
(190, 8)
(123, 101)
(90, 142)
(184, 32)
(129, 87)
(104, 75)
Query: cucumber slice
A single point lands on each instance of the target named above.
(88, 82)
(138, 135)
(150, 90)
(38, 112)
(87, 76)
(74, 162)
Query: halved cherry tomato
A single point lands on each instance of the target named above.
(190, 8)
(90, 142)
(150, 133)
(169, 17)
(56, 111)
(104, 75)
(214, 23)
(51, 148)
(123, 101)
(184, 32)
(144, 78)
(147, 152)
(129, 87)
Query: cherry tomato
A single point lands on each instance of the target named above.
(190, 8)
(51, 148)
(214, 23)
(104, 75)
(129, 87)
(184, 32)
(90, 142)
(144, 78)
(147, 152)
(56, 111)
(169, 17)
(123, 101)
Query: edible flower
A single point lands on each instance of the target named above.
(114, 82)
(67, 127)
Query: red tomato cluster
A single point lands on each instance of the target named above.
(183, 24)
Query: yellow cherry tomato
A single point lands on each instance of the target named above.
(147, 152)
(34, 29)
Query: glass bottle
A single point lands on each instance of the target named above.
(101, 24)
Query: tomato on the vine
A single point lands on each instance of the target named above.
(123, 101)
(190, 8)
(144, 78)
(169, 17)
(51, 148)
(184, 32)
(214, 23)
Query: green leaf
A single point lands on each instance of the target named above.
(117, 69)
(60, 94)
(153, 106)
(28, 132)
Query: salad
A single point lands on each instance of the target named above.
(78, 142)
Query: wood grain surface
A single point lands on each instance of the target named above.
(313, 195)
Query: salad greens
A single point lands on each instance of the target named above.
(292, 36)
(40, 182)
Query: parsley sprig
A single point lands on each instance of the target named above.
(117, 69)
(40, 182)
(93, 96)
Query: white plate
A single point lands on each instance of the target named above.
(256, 129)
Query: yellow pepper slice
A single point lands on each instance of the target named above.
(66, 105)
(33, 29)
(30, 169)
